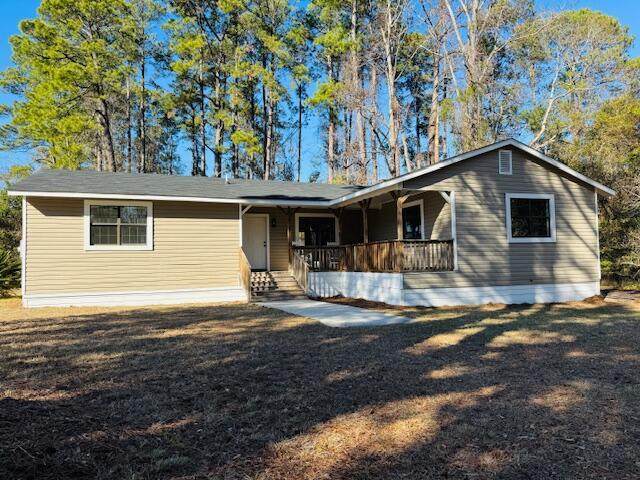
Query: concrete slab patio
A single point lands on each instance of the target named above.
(333, 315)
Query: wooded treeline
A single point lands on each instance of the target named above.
(344, 90)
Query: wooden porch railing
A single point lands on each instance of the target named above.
(299, 270)
(245, 273)
(384, 256)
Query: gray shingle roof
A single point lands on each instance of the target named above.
(103, 183)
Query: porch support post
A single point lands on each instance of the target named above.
(288, 213)
(454, 230)
(338, 214)
(450, 198)
(399, 203)
(364, 206)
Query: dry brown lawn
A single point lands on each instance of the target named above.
(243, 392)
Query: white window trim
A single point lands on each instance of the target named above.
(23, 250)
(413, 204)
(552, 219)
(510, 172)
(325, 215)
(119, 203)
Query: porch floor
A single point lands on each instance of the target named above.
(334, 315)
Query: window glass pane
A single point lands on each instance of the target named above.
(317, 231)
(530, 218)
(133, 215)
(133, 234)
(412, 222)
(519, 227)
(520, 207)
(539, 227)
(104, 235)
(539, 208)
(104, 214)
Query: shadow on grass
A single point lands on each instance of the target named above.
(246, 392)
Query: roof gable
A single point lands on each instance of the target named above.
(393, 182)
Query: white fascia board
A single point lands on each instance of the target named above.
(113, 196)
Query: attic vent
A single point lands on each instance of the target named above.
(504, 161)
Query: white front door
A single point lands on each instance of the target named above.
(254, 240)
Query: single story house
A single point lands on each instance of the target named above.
(504, 223)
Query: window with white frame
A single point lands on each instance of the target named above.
(111, 225)
(530, 217)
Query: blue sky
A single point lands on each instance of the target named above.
(15, 10)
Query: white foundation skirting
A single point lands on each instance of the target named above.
(379, 287)
(388, 288)
(154, 297)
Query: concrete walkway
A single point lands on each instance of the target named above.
(334, 315)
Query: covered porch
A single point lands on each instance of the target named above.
(396, 231)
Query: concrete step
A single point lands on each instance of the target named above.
(276, 296)
(278, 285)
(284, 288)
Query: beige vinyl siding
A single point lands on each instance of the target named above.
(195, 246)
(484, 255)
(382, 222)
(437, 218)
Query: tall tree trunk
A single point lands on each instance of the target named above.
(203, 122)
(432, 131)
(266, 131)
(106, 126)
(194, 145)
(142, 121)
(346, 153)
(98, 152)
(407, 157)
(254, 126)
(374, 122)
(219, 131)
(129, 135)
(268, 120)
(355, 75)
(418, 126)
(390, 71)
(273, 123)
(444, 147)
(331, 127)
(394, 160)
(300, 92)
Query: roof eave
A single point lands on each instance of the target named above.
(113, 196)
